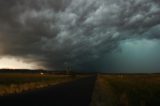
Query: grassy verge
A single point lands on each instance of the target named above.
(103, 94)
(127, 90)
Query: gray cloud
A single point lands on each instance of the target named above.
(79, 32)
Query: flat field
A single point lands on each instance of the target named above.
(127, 90)
(17, 83)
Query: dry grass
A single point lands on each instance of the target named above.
(103, 94)
(127, 90)
(17, 83)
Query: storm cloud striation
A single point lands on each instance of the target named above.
(83, 33)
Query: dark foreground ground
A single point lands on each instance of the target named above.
(127, 90)
(75, 93)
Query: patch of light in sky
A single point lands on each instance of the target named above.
(14, 63)
(137, 54)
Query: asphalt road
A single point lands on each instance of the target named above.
(75, 93)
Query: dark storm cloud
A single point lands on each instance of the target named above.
(78, 32)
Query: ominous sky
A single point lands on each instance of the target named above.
(97, 35)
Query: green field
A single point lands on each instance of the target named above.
(17, 83)
(127, 90)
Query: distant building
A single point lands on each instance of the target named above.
(42, 73)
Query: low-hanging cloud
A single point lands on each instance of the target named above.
(78, 32)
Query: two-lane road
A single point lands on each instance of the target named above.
(75, 93)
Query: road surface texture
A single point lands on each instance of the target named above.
(75, 93)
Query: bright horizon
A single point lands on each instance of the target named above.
(13, 63)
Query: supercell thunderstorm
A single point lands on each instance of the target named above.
(92, 35)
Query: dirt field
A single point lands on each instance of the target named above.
(17, 83)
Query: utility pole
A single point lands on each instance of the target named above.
(68, 68)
